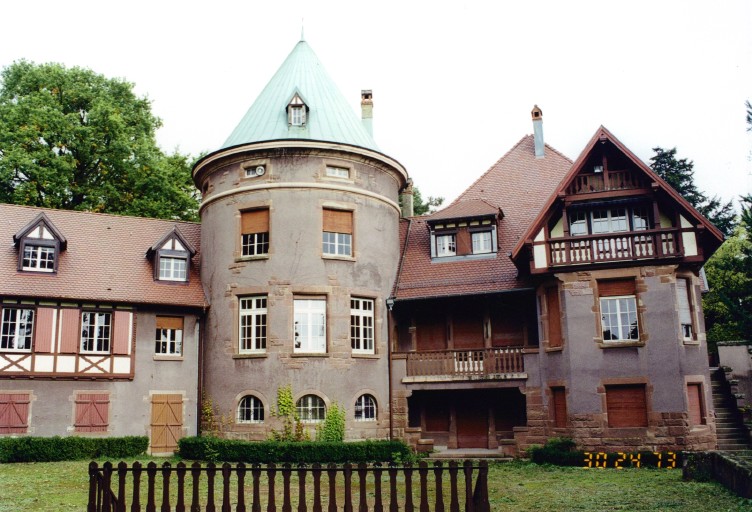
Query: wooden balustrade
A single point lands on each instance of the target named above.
(634, 245)
(617, 180)
(499, 362)
(465, 487)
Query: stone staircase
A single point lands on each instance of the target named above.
(731, 432)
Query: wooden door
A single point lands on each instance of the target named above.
(472, 423)
(166, 422)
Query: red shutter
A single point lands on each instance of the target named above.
(92, 411)
(70, 334)
(626, 406)
(559, 398)
(554, 317)
(694, 393)
(14, 413)
(464, 243)
(121, 332)
(44, 333)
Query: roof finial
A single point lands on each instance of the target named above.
(302, 28)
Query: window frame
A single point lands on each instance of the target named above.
(254, 240)
(446, 250)
(337, 244)
(95, 339)
(174, 339)
(257, 312)
(337, 172)
(361, 323)
(685, 293)
(252, 407)
(308, 307)
(365, 404)
(475, 233)
(174, 274)
(306, 412)
(16, 323)
(615, 299)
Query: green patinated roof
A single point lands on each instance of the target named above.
(330, 118)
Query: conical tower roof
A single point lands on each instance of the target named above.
(329, 117)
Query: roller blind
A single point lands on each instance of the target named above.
(254, 221)
(338, 221)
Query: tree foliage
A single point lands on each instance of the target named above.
(424, 207)
(679, 173)
(74, 139)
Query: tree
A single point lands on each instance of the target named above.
(74, 139)
(421, 207)
(679, 173)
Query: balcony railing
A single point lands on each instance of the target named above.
(490, 363)
(617, 180)
(636, 245)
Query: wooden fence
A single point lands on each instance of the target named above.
(389, 488)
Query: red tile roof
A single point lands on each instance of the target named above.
(518, 184)
(465, 209)
(105, 259)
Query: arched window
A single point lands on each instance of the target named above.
(365, 408)
(250, 410)
(311, 409)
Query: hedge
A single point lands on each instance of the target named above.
(52, 449)
(226, 450)
(562, 452)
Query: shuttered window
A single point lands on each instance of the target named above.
(695, 404)
(92, 412)
(254, 232)
(44, 334)
(169, 336)
(69, 333)
(683, 305)
(616, 287)
(554, 317)
(559, 405)
(337, 232)
(619, 320)
(338, 221)
(626, 406)
(14, 413)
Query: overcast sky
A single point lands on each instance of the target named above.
(453, 82)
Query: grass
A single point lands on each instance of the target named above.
(516, 486)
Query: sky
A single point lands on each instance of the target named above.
(453, 82)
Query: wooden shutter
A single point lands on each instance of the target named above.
(338, 221)
(70, 335)
(682, 299)
(92, 412)
(615, 287)
(554, 317)
(559, 399)
(14, 413)
(694, 394)
(626, 406)
(254, 221)
(44, 330)
(464, 242)
(166, 422)
(121, 332)
(170, 322)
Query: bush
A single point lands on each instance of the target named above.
(333, 428)
(563, 452)
(52, 449)
(226, 450)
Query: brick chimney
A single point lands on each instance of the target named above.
(366, 110)
(540, 149)
(406, 199)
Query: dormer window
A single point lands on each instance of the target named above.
(446, 245)
(39, 245)
(172, 257)
(297, 111)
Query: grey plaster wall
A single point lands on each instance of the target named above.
(295, 267)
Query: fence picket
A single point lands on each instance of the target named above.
(332, 474)
(301, 489)
(438, 471)
(136, 500)
(271, 473)
(226, 506)
(316, 471)
(454, 505)
(122, 473)
(195, 476)
(211, 471)
(423, 472)
(240, 507)
(151, 473)
(377, 505)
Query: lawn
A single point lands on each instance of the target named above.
(514, 486)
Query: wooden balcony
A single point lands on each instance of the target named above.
(604, 182)
(482, 364)
(635, 245)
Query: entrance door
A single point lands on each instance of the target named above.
(166, 422)
(472, 424)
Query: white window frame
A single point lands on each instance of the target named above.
(482, 241)
(612, 308)
(609, 223)
(169, 342)
(14, 322)
(333, 171)
(255, 244)
(446, 245)
(96, 330)
(366, 408)
(173, 268)
(297, 115)
(309, 327)
(311, 409)
(38, 257)
(336, 244)
(253, 319)
(250, 410)
(361, 325)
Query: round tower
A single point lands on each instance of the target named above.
(300, 249)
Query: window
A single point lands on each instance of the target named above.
(92, 412)
(337, 232)
(172, 257)
(250, 410)
(17, 327)
(626, 406)
(683, 301)
(695, 405)
(482, 242)
(252, 336)
(337, 172)
(361, 325)
(38, 257)
(169, 337)
(609, 220)
(446, 245)
(254, 229)
(365, 408)
(618, 310)
(95, 332)
(14, 413)
(311, 409)
(559, 406)
(39, 244)
(310, 325)
(172, 269)
(578, 224)
(297, 116)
